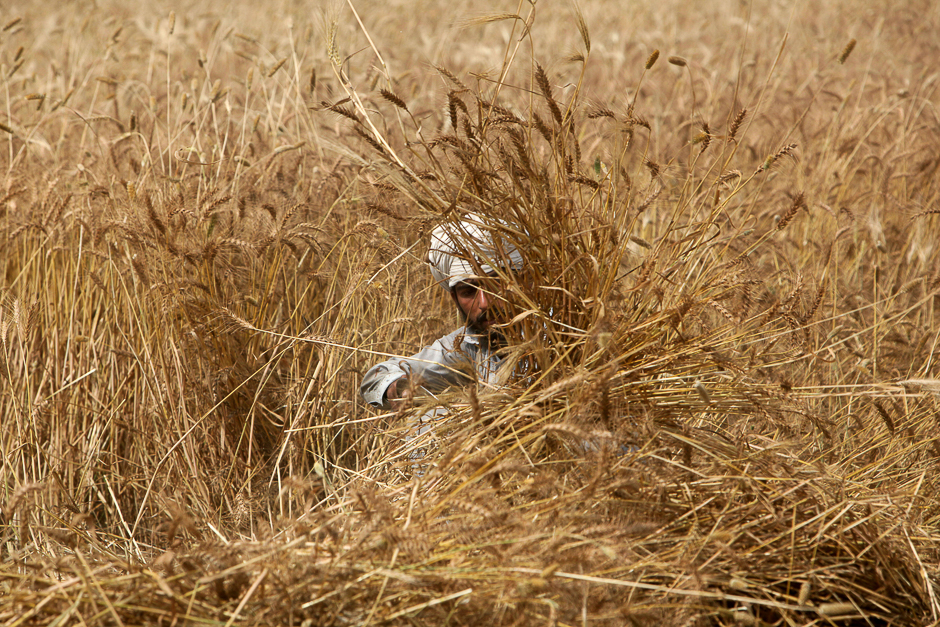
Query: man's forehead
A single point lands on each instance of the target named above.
(467, 284)
(476, 281)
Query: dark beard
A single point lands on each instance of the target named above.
(492, 335)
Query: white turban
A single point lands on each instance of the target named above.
(452, 245)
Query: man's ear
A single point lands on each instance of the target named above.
(460, 311)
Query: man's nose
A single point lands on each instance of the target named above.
(483, 299)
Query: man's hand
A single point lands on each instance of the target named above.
(398, 392)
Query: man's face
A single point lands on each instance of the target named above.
(476, 300)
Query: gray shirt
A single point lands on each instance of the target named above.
(458, 358)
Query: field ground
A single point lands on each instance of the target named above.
(725, 394)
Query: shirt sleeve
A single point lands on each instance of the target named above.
(444, 363)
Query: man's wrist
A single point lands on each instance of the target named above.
(394, 391)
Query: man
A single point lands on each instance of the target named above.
(462, 258)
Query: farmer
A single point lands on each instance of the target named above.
(462, 257)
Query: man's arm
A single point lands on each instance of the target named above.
(398, 391)
(434, 368)
(381, 382)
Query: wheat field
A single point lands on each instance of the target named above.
(723, 399)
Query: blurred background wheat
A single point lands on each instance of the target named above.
(723, 405)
